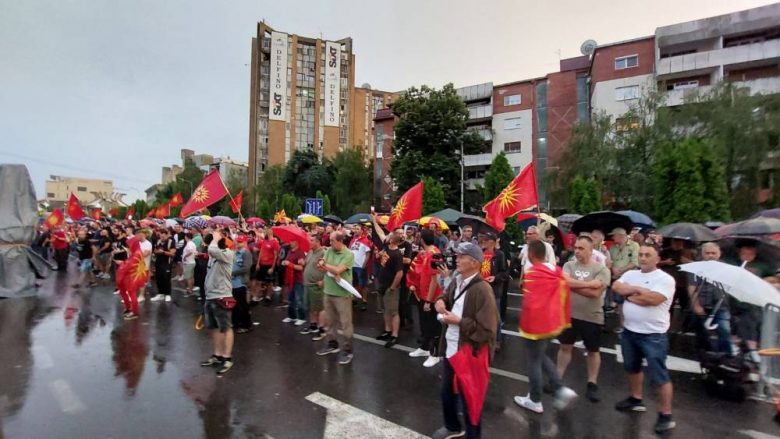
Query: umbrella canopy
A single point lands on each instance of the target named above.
(293, 233)
(195, 222)
(735, 281)
(426, 220)
(566, 220)
(255, 220)
(760, 226)
(449, 216)
(767, 252)
(478, 225)
(527, 220)
(170, 222)
(605, 221)
(309, 219)
(688, 231)
(359, 218)
(332, 219)
(638, 218)
(222, 221)
(768, 213)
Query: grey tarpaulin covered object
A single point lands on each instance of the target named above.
(19, 265)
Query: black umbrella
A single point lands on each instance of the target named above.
(358, 218)
(766, 251)
(566, 220)
(605, 221)
(332, 219)
(756, 227)
(688, 231)
(478, 225)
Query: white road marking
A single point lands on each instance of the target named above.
(757, 434)
(42, 358)
(68, 400)
(513, 308)
(346, 421)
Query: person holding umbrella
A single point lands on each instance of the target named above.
(704, 299)
(747, 317)
(468, 311)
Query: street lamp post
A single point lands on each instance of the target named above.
(462, 166)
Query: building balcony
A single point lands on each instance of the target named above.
(756, 86)
(713, 59)
(471, 160)
(480, 112)
(485, 133)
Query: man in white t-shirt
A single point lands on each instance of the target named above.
(648, 294)
(360, 246)
(146, 250)
(188, 262)
(531, 235)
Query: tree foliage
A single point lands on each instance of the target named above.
(270, 187)
(498, 176)
(352, 185)
(584, 195)
(428, 138)
(433, 196)
(264, 211)
(304, 174)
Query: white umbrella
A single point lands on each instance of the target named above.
(736, 282)
(343, 283)
(170, 222)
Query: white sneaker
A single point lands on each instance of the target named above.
(299, 322)
(168, 298)
(195, 288)
(287, 320)
(419, 353)
(526, 403)
(180, 278)
(277, 289)
(141, 299)
(431, 361)
(157, 298)
(563, 397)
(116, 293)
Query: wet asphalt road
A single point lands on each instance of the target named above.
(72, 368)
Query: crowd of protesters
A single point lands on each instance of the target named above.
(430, 270)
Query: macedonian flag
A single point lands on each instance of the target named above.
(55, 218)
(546, 303)
(408, 207)
(518, 196)
(208, 192)
(133, 273)
(75, 212)
(176, 200)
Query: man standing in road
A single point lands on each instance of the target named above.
(624, 255)
(532, 235)
(219, 302)
(312, 289)
(587, 279)
(337, 264)
(704, 296)
(391, 274)
(164, 251)
(648, 294)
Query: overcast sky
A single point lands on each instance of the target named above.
(114, 89)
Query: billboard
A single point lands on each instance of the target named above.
(332, 83)
(278, 91)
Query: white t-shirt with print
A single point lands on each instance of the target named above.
(360, 250)
(648, 319)
(188, 255)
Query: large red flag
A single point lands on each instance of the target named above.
(235, 203)
(208, 192)
(96, 214)
(408, 207)
(176, 200)
(75, 212)
(518, 196)
(163, 211)
(55, 218)
(130, 213)
(546, 303)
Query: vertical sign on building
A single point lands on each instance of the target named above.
(332, 83)
(278, 76)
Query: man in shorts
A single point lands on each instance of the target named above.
(312, 289)
(648, 294)
(265, 271)
(217, 313)
(390, 275)
(86, 254)
(587, 279)
(188, 262)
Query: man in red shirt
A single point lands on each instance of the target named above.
(266, 265)
(293, 266)
(59, 242)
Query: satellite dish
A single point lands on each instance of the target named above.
(366, 85)
(588, 47)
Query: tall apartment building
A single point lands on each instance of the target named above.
(365, 104)
(300, 97)
(384, 125)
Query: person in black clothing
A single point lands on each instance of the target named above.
(164, 250)
(41, 242)
(390, 276)
(671, 258)
(104, 249)
(495, 273)
(86, 254)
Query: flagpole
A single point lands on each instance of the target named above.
(240, 217)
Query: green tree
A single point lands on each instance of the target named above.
(270, 187)
(264, 211)
(326, 205)
(304, 174)
(576, 193)
(433, 196)
(352, 186)
(428, 137)
(498, 176)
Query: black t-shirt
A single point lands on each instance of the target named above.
(41, 237)
(84, 249)
(406, 251)
(103, 240)
(165, 245)
(121, 246)
(391, 262)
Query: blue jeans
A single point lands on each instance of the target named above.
(651, 347)
(723, 319)
(296, 309)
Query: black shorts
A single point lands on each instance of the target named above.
(262, 275)
(589, 332)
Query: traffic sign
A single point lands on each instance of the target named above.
(314, 206)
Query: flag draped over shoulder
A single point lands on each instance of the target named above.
(520, 195)
(546, 303)
(75, 212)
(133, 273)
(208, 192)
(408, 207)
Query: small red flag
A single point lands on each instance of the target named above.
(75, 212)
(208, 192)
(96, 214)
(235, 203)
(176, 200)
(55, 218)
(408, 207)
(130, 213)
(151, 212)
(114, 211)
(163, 211)
(518, 196)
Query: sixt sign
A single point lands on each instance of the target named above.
(278, 76)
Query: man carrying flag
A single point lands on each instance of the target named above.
(518, 196)
(208, 192)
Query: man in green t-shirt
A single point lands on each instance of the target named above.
(337, 265)
(587, 279)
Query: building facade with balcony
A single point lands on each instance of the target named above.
(365, 104)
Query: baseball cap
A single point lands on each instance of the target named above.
(242, 238)
(490, 235)
(618, 231)
(470, 249)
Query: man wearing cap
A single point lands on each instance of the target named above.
(494, 271)
(242, 321)
(468, 311)
(624, 255)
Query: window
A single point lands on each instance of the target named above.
(50, 194)
(512, 147)
(623, 124)
(512, 100)
(512, 123)
(683, 85)
(81, 189)
(627, 93)
(625, 62)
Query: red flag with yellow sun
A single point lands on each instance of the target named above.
(408, 207)
(208, 192)
(176, 200)
(133, 273)
(518, 196)
(55, 218)
(75, 212)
